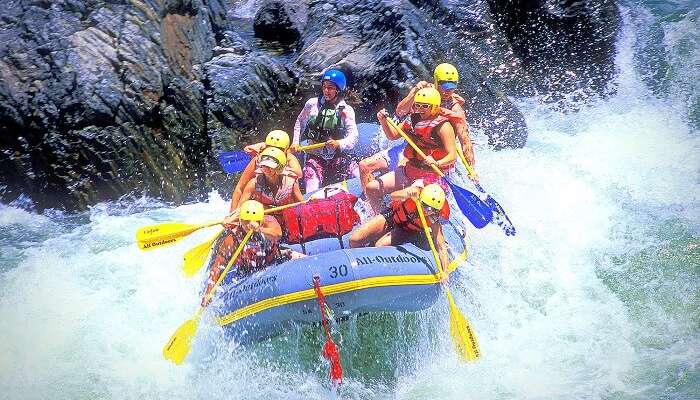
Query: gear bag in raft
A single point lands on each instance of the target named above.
(319, 219)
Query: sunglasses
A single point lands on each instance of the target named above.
(421, 106)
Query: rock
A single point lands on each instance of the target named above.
(100, 94)
(280, 21)
(565, 46)
(386, 49)
(101, 99)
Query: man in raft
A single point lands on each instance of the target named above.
(261, 249)
(431, 132)
(445, 80)
(400, 222)
(276, 138)
(274, 185)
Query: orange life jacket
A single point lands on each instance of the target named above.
(321, 218)
(258, 253)
(284, 195)
(405, 215)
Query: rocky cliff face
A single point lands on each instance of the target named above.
(103, 98)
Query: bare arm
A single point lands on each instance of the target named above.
(464, 136)
(271, 228)
(255, 149)
(404, 106)
(296, 192)
(440, 244)
(411, 192)
(247, 191)
(389, 131)
(247, 174)
(447, 136)
(293, 164)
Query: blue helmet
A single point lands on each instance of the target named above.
(337, 77)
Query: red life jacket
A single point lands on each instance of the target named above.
(322, 218)
(425, 135)
(405, 215)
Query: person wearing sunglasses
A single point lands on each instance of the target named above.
(400, 222)
(445, 80)
(276, 138)
(431, 132)
(273, 185)
(261, 250)
(327, 119)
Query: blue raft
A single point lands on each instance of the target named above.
(370, 279)
(354, 281)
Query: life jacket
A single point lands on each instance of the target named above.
(284, 195)
(320, 218)
(257, 253)
(327, 124)
(405, 215)
(425, 134)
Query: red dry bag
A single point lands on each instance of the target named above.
(322, 218)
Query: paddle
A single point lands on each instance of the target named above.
(180, 343)
(463, 337)
(478, 212)
(499, 215)
(154, 236)
(235, 161)
(195, 258)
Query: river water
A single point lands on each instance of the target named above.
(597, 297)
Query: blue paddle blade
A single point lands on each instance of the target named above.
(234, 161)
(395, 155)
(499, 215)
(476, 211)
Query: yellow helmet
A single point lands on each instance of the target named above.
(252, 210)
(447, 74)
(273, 157)
(432, 195)
(278, 138)
(428, 96)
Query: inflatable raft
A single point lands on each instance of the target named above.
(370, 279)
(354, 281)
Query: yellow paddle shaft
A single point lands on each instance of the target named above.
(426, 229)
(280, 208)
(211, 293)
(312, 146)
(469, 168)
(413, 145)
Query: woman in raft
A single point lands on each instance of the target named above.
(260, 251)
(273, 185)
(277, 139)
(327, 119)
(445, 80)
